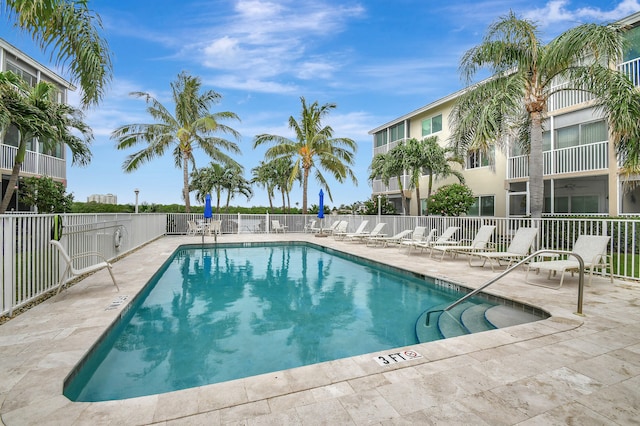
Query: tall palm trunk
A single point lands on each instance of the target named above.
(305, 180)
(536, 182)
(15, 172)
(185, 189)
(402, 197)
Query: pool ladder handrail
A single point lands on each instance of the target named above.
(508, 271)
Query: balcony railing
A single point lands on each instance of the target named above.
(567, 98)
(383, 149)
(39, 164)
(581, 158)
(380, 188)
(632, 70)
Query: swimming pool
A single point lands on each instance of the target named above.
(217, 313)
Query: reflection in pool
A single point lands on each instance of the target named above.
(217, 313)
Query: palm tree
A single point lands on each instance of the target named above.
(315, 148)
(436, 163)
(526, 73)
(207, 180)
(191, 126)
(72, 30)
(235, 183)
(389, 165)
(263, 175)
(35, 114)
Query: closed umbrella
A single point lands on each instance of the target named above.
(208, 213)
(321, 209)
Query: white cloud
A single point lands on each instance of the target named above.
(557, 12)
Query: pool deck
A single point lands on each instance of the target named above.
(567, 369)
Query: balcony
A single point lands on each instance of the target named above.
(581, 158)
(380, 188)
(34, 163)
(383, 149)
(568, 98)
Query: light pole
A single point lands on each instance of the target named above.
(379, 206)
(137, 191)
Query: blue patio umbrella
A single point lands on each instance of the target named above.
(321, 209)
(321, 206)
(208, 213)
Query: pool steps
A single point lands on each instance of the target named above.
(468, 318)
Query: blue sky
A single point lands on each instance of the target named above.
(377, 60)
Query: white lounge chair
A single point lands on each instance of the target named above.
(360, 231)
(593, 251)
(277, 227)
(479, 243)
(418, 237)
(311, 227)
(329, 229)
(340, 229)
(394, 239)
(70, 272)
(444, 239)
(376, 232)
(518, 248)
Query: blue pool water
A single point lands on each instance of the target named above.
(214, 314)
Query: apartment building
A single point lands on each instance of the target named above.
(580, 166)
(38, 161)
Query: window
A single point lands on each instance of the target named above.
(11, 137)
(483, 206)
(573, 204)
(476, 159)
(579, 134)
(432, 125)
(29, 78)
(381, 138)
(396, 132)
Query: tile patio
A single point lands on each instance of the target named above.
(565, 369)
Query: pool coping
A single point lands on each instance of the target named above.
(42, 354)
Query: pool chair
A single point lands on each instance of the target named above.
(194, 228)
(593, 251)
(277, 227)
(479, 243)
(418, 236)
(518, 249)
(340, 229)
(361, 231)
(375, 233)
(332, 227)
(445, 238)
(394, 239)
(71, 272)
(311, 227)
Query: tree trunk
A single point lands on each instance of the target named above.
(305, 180)
(403, 200)
(185, 189)
(536, 182)
(226, 208)
(418, 199)
(284, 205)
(15, 172)
(429, 192)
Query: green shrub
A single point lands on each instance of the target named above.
(451, 200)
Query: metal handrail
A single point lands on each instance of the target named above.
(508, 270)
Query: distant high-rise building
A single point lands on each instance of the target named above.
(103, 199)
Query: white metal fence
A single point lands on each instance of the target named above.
(30, 267)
